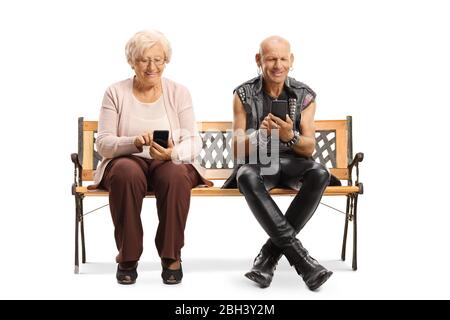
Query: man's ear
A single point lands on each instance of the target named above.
(258, 59)
(292, 60)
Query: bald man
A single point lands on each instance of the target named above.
(255, 131)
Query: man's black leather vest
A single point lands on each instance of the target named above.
(252, 97)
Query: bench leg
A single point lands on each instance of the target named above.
(344, 240)
(354, 261)
(77, 215)
(83, 247)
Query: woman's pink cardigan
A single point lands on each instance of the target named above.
(113, 139)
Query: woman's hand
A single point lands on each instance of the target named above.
(160, 153)
(144, 139)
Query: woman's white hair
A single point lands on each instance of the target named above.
(143, 40)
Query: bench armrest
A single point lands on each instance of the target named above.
(78, 169)
(359, 157)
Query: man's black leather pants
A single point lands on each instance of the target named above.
(282, 229)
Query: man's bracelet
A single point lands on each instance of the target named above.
(291, 143)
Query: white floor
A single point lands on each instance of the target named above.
(220, 246)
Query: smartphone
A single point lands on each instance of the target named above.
(279, 109)
(161, 137)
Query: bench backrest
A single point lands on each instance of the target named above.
(333, 147)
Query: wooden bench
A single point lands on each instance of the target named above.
(333, 149)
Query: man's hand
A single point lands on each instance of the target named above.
(160, 153)
(285, 128)
(268, 124)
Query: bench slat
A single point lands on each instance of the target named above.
(216, 191)
(88, 150)
(223, 174)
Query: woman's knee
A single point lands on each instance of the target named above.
(127, 171)
(174, 175)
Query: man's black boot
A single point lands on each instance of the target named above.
(263, 267)
(313, 273)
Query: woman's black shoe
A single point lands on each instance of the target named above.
(126, 276)
(172, 276)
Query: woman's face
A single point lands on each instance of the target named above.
(150, 66)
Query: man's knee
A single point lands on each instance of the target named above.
(319, 175)
(247, 175)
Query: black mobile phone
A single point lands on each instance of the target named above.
(161, 137)
(279, 109)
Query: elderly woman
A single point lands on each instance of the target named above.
(133, 163)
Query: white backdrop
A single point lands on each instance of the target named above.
(386, 63)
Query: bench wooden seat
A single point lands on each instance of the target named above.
(216, 191)
(333, 149)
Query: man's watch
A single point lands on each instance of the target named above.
(290, 144)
